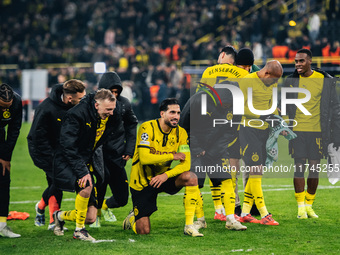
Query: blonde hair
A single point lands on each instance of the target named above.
(104, 94)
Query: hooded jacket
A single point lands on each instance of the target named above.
(76, 149)
(122, 141)
(44, 134)
(329, 108)
(11, 118)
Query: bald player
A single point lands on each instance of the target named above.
(253, 137)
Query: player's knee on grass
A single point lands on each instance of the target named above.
(143, 226)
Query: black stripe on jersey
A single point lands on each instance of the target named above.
(143, 146)
(160, 129)
(134, 163)
(165, 139)
(153, 132)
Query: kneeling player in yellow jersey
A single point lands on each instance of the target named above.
(159, 142)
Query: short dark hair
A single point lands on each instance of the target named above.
(229, 50)
(104, 94)
(6, 93)
(164, 106)
(306, 51)
(73, 86)
(245, 57)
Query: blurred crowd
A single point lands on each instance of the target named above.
(145, 41)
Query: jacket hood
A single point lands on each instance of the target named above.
(56, 96)
(110, 80)
(89, 101)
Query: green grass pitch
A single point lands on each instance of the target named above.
(292, 236)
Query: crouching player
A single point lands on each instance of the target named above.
(159, 142)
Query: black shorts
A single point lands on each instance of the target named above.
(217, 169)
(234, 151)
(306, 145)
(145, 201)
(253, 145)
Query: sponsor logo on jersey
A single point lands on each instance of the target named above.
(157, 152)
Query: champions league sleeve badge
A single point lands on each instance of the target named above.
(145, 136)
(144, 139)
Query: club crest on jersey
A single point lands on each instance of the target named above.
(229, 116)
(255, 157)
(144, 136)
(6, 114)
(172, 142)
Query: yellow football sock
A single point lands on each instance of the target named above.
(229, 196)
(199, 207)
(300, 198)
(190, 200)
(3, 219)
(104, 206)
(68, 215)
(81, 210)
(309, 199)
(256, 189)
(248, 200)
(234, 177)
(134, 227)
(216, 196)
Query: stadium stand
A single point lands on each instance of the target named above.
(149, 40)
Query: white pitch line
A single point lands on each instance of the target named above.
(31, 187)
(41, 187)
(181, 194)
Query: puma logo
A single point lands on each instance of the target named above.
(88, 124)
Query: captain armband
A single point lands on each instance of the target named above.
(184, 148)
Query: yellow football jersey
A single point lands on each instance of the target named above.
(100, 130)
(220, 73)
(262, 99)
(154, 153)
(310, 123)
(99, 133)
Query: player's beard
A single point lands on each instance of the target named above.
(168, 123)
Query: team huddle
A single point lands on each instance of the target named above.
(82, 143)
